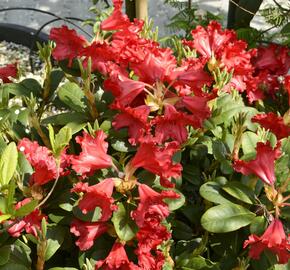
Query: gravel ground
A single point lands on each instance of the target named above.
(11, 53)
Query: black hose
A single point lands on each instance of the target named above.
(48, 13)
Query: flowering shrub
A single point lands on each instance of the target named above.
(135, 156)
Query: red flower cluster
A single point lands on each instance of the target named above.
(148, 216)
(43, 162)
(273, 239)
(99, 195)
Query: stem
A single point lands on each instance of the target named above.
(46, 88)
(53, 187)
(35, 123)
(41, 249)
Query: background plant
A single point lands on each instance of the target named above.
(163, 154)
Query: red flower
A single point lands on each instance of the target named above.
(194, 76)
(274, 239)
(133, 118)
(100, 54)
(171, 125)
(117, 260)
(30, 223)
(236, 57)
(43, 162)
(262, 165)
(151, 207)
(8, 71)
(199, 109)
(94, 154)
(208, 42)
(99, 195)
(157, 65)
(274, 58)
(68, 43)
(157, 160)
(274, 123)
(147, 240)
(266, 58)
(87, 232)
(124, 89)
(117, 20)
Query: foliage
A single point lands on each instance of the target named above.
(129, 155)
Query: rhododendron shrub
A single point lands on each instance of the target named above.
(133, 155)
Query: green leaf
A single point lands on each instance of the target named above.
(286, 28)
(26, 209)
(55, 237)
(188, 262)
(51, 137)
(8, 163)
(211, 191)
(13, 266)
(19, 257)
(106, 125)
(219, 150)
(4, 254)
(63, 268)
(258, 225)
(72, 95)
(56, 77)
(124, 225)
(62, 139)
(226, 218)
(240, 191)
(66, 118)
(4, 217)
(249, 142)
(25, 88)
(10, 198)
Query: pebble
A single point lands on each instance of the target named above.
(11, 52)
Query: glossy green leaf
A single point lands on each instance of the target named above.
(219, 150)
(211, 191)
(26, 208)
(249, 141)
(55, 238)
(4, 254)
(63, 268)
(226, 218)
(240, 191)
(124, 225)
(188, 262)
(8, 163)
(62, 139)
(25, 88)
(72, 95)
(258, 225)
